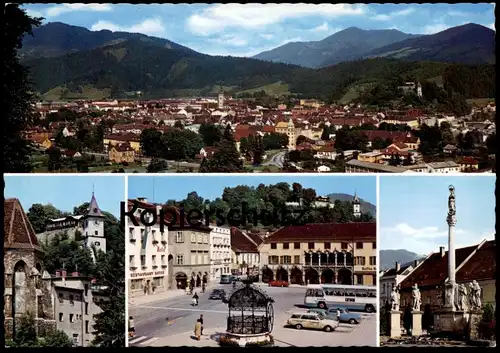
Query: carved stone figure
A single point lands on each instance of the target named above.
(451, 201)
(417, 301)
(462, 297)
(395, 298)
(20, 291)
(475, 295)
(449, 292)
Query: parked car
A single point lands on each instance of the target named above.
(314, 321)
(225, 279)
(345, 315)
(278, 284)
(217, 294)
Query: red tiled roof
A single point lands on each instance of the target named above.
(434, 270)
(395, 136)
(468, 160)
(481, 266)
(124, 137)
(17, 229)
(242, 243)
(268, 129)
(325, 231)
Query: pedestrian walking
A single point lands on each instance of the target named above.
(201, 321)
(338, 314)
(197, 329)
(131, 327)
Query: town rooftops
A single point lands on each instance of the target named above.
(376, 166)
(394, 271)
(331, 232)
(434, 269)
(481, 266)
(241, 242)
(18, 232)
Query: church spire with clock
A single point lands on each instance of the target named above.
(93, 226)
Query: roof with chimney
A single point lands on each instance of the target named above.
(481, 266)
(17, 229)
(395, 271)
(433, 271)
(94, 210)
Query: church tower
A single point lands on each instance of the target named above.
(220, 99)
(93, 227)
(356, 206)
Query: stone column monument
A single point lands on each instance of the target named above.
(448, 319)
(450, 285)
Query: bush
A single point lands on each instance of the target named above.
(486, 327)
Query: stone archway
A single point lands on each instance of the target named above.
(312, 276)
(19, 290)
(198, 279)
(267, 275)
(296, 276)
(181, 279)
(328, 276)
(282, 274)
(344, 276)
(205, 278)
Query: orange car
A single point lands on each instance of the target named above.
(278, 284)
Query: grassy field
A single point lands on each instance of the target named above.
(354, 91)
(88, 92)
(277, 88)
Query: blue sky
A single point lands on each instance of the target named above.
(211, 187)
(413, 211)
(66, 192)
(248, 29)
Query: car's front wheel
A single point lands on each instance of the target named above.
(328, 329)
(298, 327)
(352, 321)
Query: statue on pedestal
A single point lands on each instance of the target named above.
(395, 298)
(417, 301)
(462, 298)
(475, 295)
(451, 201)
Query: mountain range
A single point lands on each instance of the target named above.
(388, 258)
(366, 207)
(70, 62)
(467, 44)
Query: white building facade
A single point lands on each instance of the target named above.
(148, 254)
(220, 252)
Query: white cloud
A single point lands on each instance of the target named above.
(392, 15)
(267, 36)
(151, 26)
(230, 40)
(33, 13)
(321, 28)
(220, 16)
(60, 9)
(428, 239)
(434, 28)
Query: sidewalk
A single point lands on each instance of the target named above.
(209, 339)
(166, 295)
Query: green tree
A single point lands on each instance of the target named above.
(151, 143)
(25, 330)
(245, 145)
(210, 133)
(56, 338)
(39, 214)
(157, 165)
(17, 96)
(491, 143)
(55, 159)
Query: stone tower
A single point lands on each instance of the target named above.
(26, 291)
(220, 99)
(93, 227)
(356, 206)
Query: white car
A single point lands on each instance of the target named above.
(312, 321)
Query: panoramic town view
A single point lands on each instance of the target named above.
(64, 255)
(299, 269)
(437, 281)
(253, 88)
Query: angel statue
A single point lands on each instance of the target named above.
(451, 201)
